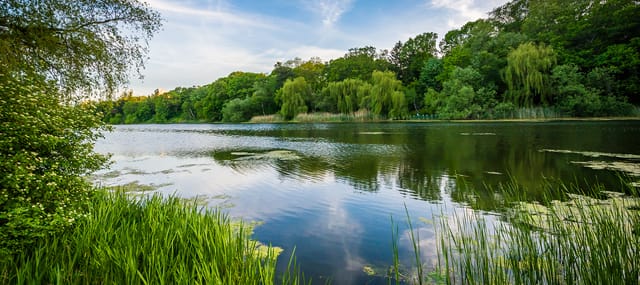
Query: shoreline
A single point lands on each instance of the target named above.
(540, 120)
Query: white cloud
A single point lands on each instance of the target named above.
(463, 11)
(330, 10)
(207, 14)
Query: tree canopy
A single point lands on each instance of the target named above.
(85, 45)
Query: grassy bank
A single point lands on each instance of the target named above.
(153, 240)
(575, 240)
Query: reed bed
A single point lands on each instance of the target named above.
(580, 240)
(275, 118)
(152, 240)
(359, 116)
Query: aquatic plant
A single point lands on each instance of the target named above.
(155, 240)
(580, 240)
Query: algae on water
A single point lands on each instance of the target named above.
(578, 211)
(622, 166)
(594, 154)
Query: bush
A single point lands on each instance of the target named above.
(46, 148)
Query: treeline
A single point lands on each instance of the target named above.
(577, 58)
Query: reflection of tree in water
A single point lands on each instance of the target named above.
(476, 159)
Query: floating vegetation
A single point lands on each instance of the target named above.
(577, 211)
(478, 134)
(626, 167)
(368, 270)
(371, 133)
(110, 174)
(270, 155)
(191, 165)
(594, 154)
(243, 156)
(135, 186)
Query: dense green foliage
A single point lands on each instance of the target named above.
(52, 55)
(46, 149)
(518, 56)
(155, 240)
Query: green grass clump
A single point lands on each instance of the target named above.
(151, 240)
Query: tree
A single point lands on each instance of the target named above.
(292, 97)
(386, 96)
(358, 63)
(527, 73)
(84, 45)
(49, 52)
(463, 96)
(237, 110)
(409, 58)
(343, 96)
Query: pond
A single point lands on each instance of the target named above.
(331, 190)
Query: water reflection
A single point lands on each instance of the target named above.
(331, 189)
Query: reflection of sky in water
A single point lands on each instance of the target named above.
(335, 204)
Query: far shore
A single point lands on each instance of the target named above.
(532, 120)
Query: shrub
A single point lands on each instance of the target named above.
(46, 148)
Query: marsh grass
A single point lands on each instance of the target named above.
(359, 116)
(153, 240)
(581, 240)
(275, 118)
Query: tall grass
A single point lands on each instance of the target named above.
(275, 118)
(152, 240)
(359, 116)
(582, 240)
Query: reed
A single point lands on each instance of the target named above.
(275, 118)
(359, 116)
(152, 240)
(580, 240)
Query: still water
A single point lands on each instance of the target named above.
(330, 190)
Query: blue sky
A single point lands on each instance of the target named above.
(203, 40)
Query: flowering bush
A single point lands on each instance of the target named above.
(46, 149)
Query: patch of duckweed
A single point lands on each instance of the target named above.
(577, 211)
(594, 154)
(368, 270)
(622, 166)
(478, 134)
(271, 155)
(135, 186)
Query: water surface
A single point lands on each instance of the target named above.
(330, 190)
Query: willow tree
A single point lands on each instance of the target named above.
(292, 97)
(527, 74)
(345, 94)
(386, 96)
